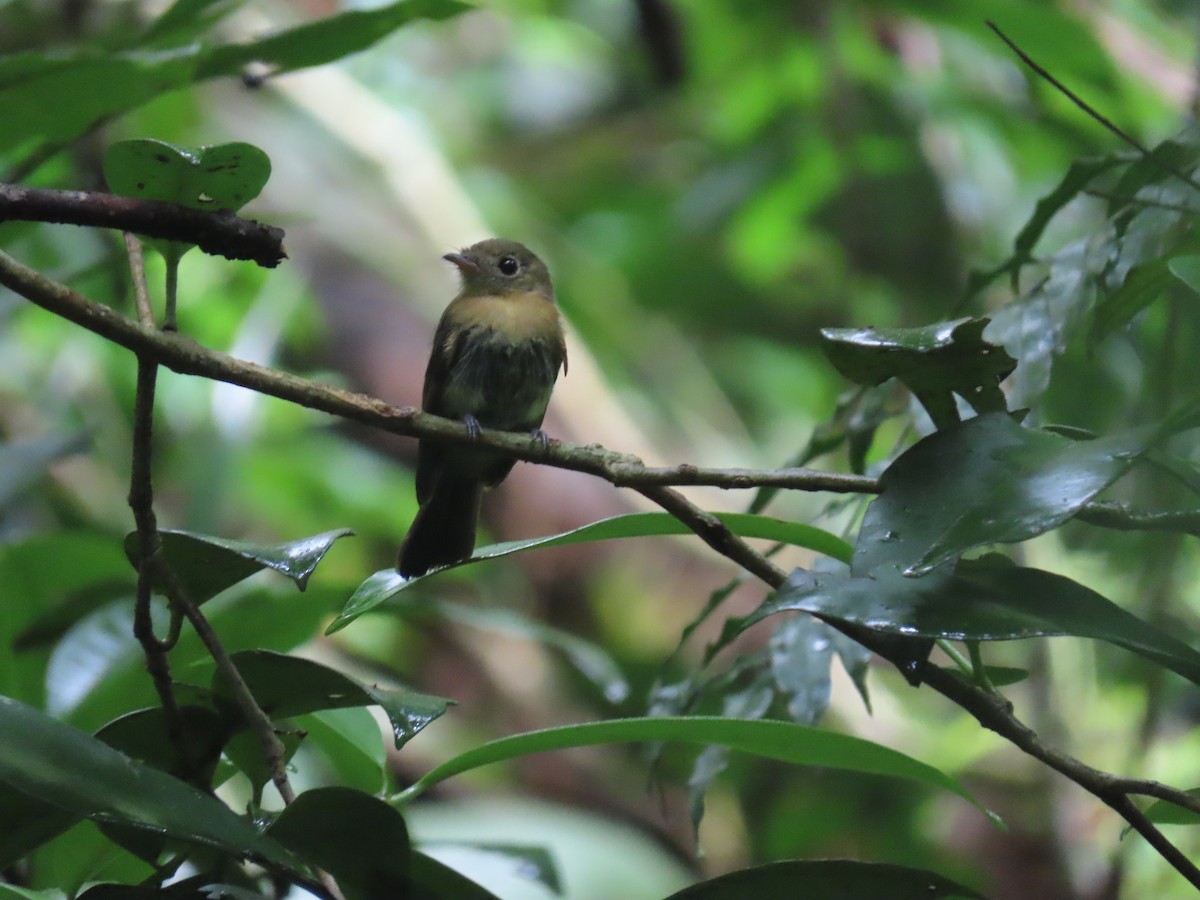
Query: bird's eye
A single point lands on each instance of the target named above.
(509, 266)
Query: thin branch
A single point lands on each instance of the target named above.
(1122, 517)
(218, 233)
(1090, 110)
(137, 270)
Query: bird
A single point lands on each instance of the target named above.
(495, 359)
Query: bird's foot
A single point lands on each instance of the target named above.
(473, 427)
(543, 439)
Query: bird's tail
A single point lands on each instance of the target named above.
(444, 530)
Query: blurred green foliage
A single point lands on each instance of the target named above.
(713, 183)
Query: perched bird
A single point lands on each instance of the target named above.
(496, 355)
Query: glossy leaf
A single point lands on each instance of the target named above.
(800, 653)
(357, 838)
(325, 40)
(984, 600)
(828, 879)
(387, 583)
(785, 741)
(934, 362)
(208, 565)
(287, 686)
(59, 764)
(986, 480)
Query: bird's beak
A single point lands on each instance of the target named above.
(464, 263)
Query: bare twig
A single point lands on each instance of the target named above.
(218, 233)
(137, 270)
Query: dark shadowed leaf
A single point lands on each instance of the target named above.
(507, 861)
(934, 362)
(800, 653)
(387, 583)
(1187, 270)
(981, 600)
(73, 770)
(434, 880)
(828, 879)
(286, 686)
(208, 565)
(1143, 284)
(357, 838)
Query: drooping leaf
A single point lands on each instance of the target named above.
(934, 362)
(785, 741)
(73, 770)
(828, 879)
(1143, 284)
(387, 583)
(357, 838)
(981, 600)
(287, 686)
(208, 565)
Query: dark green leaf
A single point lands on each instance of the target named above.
(986, 480)
(828, 879)
(934, 362)
(801, 651)
(1143, 285)
(357, 838)
(57, 763)
(982, 600)
(785, 741)
(325, 40)
(1154, 167)
(245, 751)
(26, 823)
(186, 20)
(287, 686)
(433, 880)
(143, 735)
(207, 565)
(387, 583)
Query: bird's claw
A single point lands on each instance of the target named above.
(473, 427)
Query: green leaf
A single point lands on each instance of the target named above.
(143, 735)
(351, 743)
(1163, 812)
(1154, 167)
(983, 481)
(357, 838)
(286, 686)
(934, 362)
(208, 565)
(245, 751)
(186, 20)
(982, 600)
(1187, 270)
(800, 653)
(59, 764)
(218, 177)
(785, 741)
(325, 40)
(828, 879)
(26, 823)
(12, 892)
(387, 583)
